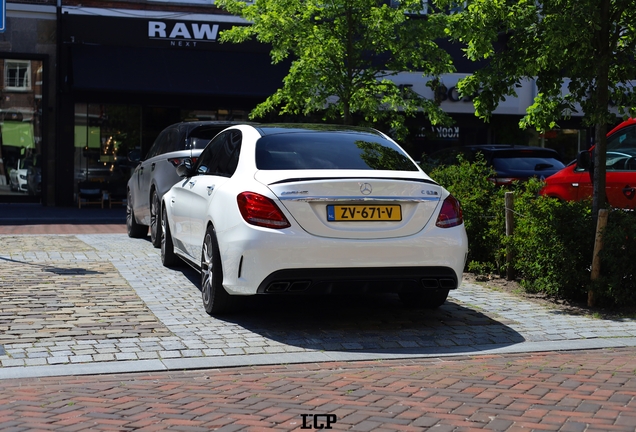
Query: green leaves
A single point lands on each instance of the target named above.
(342, 53)
(569, 46)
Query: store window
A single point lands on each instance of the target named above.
(568, 142)
(21, 128)
(104, 139)
(108, 139)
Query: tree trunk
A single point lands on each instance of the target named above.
(603, 57)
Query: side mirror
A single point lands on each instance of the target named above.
(185, 168)
(584, 160)
(134, 156)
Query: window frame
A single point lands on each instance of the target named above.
(27, 75)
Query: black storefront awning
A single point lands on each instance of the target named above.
(174, 71)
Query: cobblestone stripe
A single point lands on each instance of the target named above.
(537, 323)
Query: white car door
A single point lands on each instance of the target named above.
(179, 199)
(216, 165)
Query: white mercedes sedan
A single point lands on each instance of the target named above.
(291, 209)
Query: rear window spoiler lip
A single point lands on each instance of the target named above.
(350, 199)
(309, 179)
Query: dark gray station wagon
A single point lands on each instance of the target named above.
(156, 174)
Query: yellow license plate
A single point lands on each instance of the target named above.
(357, 213)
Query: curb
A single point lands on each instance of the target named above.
(165, 365)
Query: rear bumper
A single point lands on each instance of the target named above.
(358, 280)
(254, 259)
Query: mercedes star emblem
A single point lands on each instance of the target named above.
(365, 188)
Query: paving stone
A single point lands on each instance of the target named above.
(117, 300)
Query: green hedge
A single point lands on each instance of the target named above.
(481, 202)
(617, 283)
(553, 241)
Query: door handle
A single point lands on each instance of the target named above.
(191, 183)
(152, 167)
(210, 190)
(629, 191)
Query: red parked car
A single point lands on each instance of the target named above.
(573, 183)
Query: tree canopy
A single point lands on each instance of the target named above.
(581, 53)
(343, 53)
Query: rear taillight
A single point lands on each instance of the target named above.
(178, 161)
(261, 211)
(451, 213)
(503, 181)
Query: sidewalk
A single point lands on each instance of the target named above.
(96, 334)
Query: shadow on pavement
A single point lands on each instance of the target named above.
(56, 270)
(367, 323)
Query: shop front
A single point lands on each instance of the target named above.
(21, 126)
(502, 128)
(125, 75)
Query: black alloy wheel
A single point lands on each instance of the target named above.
(155, 220)
(216, 299)
(134, 229)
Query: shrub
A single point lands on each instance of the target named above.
(482, 204)
(553, 243)
(616, 285)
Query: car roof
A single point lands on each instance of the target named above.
(622, 125)
(190, 125)
(503, 147)
(284, 128)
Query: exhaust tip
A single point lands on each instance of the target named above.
(277, 287)
(448, 283)
(299, 286)
(430, 283)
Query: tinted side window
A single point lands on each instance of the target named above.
(201, 136)
(156, 147)
(624, 138)
(171, 143)
(220, 157)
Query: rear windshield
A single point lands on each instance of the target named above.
(526, 164)
(330, 150)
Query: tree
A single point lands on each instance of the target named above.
(586, 46)
(343, 53)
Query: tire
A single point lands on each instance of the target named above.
(134, 229)
(216, 299)
(168, 257)
(425, 299)
(155, 220)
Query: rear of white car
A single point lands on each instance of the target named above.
(319, 210)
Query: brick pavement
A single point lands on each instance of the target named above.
(589, 391)
(88, 303)
(96, 335)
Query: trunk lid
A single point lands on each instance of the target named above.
(390, 204)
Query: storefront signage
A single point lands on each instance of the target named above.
(198, 32)
(449, 99)
(439, 132)
(447, 132)
(182, 34)
(442, 93)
